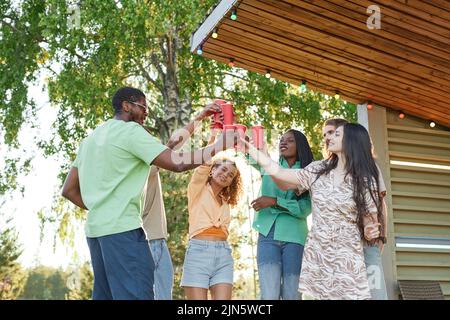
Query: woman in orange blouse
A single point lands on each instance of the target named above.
(208, 262)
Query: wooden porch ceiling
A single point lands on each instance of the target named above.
(405, 65)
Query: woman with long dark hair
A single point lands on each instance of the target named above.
(372, 252)
(346, 211)
(281, 222)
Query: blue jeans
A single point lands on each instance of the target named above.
(375, 274)
(163, 269)
(279, 266)
(123, 266)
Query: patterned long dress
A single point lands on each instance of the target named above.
(333, 266)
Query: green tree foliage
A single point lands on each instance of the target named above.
(141, 43)
(48, 283)
(45, 283)
(19, 63)
(174, 193)
(20, 54)
(12, 277)
(80, 283)
(90, 49)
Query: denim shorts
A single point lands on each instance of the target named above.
(207, 263)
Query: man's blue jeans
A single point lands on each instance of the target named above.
(279, 266)
(163, 269)
(123, 266)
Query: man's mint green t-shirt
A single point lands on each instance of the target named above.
(113, 164)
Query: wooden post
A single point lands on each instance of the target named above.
(376, 122)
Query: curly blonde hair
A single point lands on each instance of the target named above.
(234, 191)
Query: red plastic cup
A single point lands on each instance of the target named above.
(228, 114)
(258, 136)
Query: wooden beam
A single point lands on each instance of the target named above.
(262, 62)
(273, 59)
(361, 38)
(443, 264)
(422, 182)
(301, 42)
(395, 62)
(419, 130)
(326, 43)
(293, 79)
(422, 209)
(356, 16)
(426, 250)
(210, 22)
(420, 143)
(413, 156)
(421, 195)
(415, 12)
(412, 23)
(442, 4)
(422, 6)
(284, 50)
(421, 169)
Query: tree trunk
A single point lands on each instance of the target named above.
(177, 111)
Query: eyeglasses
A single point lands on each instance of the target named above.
(143, 107)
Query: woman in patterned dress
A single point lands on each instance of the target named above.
(346, 210)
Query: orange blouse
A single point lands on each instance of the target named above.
(205, 211)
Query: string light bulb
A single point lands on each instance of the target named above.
(200, 50)
(401, 115)
(432, 124)
(231, 62)
(233, 15)
(215, 33)
(303, 86)
(369, 105)
(268, 75)
(337, 95)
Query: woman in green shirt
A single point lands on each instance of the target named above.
(281, 223)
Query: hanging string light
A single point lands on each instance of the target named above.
(234, 15)
(268, 75)
(303, 86)
(369, 105)
(200, 50)
(337, 95)
(401, 115)
(215, 33)
(231, 62)
(432, 124)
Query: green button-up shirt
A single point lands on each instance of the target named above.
(289, 215)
